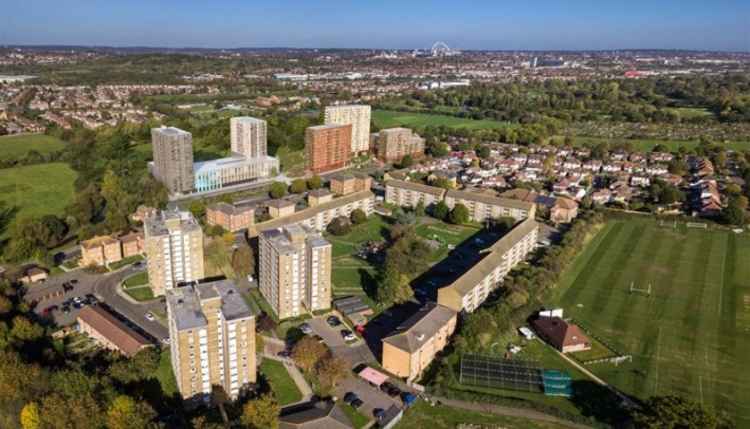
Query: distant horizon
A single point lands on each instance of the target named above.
(330, 48)
(487, 25)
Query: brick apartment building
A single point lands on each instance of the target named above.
(327, 147)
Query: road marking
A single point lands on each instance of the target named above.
(656, 378)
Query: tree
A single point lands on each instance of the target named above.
(126, 413)
(733, 213)
(483, 152)
(243, 261)
(278, 190)
(315, 182)
(298, 186)
(261, 413)
(358, 216)
(340, 226)
(407, 161)
(30, 416)
(394, 287)
(459, 215)
(441, 211)
(307, 352)
(419, 210)
(331, 370)
(24, 330)
(675, 412)
(197, 208)
(438, 149)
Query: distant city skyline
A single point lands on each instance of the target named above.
(484, 24)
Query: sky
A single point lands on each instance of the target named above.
(385, 24)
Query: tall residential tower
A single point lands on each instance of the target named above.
(327, 147)
(295, 270)
(173, 158)
(359, 118)
(248, 136)
(174, 250)
(212, 333)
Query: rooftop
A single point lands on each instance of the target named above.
(421, 326)
(231, 161)
(126, 339)
(184, 303)
(170, 131)
(229, 209)
(413, 186)
(169, 220)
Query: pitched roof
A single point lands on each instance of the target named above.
(559, 332)
(413, 186)
(486, 198)
(425, 323)
(126, 339)
(314, 415)
(469, 280)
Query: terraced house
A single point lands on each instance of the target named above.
(471, 289)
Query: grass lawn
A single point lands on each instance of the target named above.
(358, 419)
(125, 261)
(140, 293)
(164, 374)
(692, 336)
(281, 382)
(448, 235)
(292, 161)
(139, 279)
(37, 190)
(18, 145)
(424, 416)
(389, 119)
(646, 145)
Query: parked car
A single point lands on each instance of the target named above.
(390, 389)
(284, 354)
(166, 340)
(91, 299)
(306, 328)
(150, 317)
(348, 335)
(66, 309)
(333, 321)
(47, 311)
(349, 397)
(357, 403)
(378, 413)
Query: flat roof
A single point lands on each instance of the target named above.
(157, 225)
(412, 186)
(184, 303)
(228, 162)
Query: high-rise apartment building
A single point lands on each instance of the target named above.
(295, 270)
(358, 116)
(393, 144)
(173, 158)
(212, 339)
(248, 136)
(327, 147)
(174, 250)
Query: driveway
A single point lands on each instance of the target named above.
(371, 396)
(104, 287)
(354, 353)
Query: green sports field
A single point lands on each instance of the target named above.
(19, 145)
(37, 190)
(692, 335)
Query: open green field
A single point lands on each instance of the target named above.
(284, 389)
(691, 337)
(389, 119)
(37, 190)
(646, 145)
(425, 416)
(20, 145)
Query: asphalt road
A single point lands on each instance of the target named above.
(104, 287)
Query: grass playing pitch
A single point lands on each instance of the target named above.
(692, 335)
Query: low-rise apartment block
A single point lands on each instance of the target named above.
(410, 194)
(106, 249)
(212, 333)
(295, 270)
(484, 205)
(393, 144)
(109, 331)
(348, 183)
(174, 250)
(230, 217)
(471, 289)
(317, 217)
(416, 342)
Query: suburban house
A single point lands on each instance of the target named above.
(564, 210)
(565, 337)
(106, 249)
(110, 332)
(416, 342)
(33, 274)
